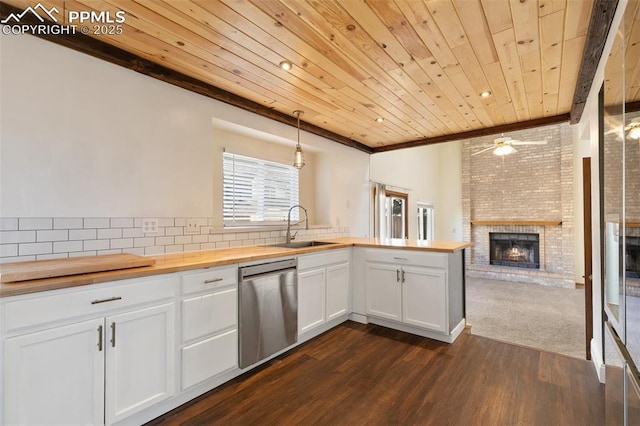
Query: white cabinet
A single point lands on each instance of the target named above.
(139, 360)
(337, 290)
(55, 376)
(323, 289)
(107, 358)
(420, 292)
(209, 324)
(311, 299)
(384, 291)
(424, 297)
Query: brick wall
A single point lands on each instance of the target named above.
(535, 183)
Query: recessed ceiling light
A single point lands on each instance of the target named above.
(485, 94)
(379, 120)
(286, 65)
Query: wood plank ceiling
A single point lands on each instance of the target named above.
(419, 65)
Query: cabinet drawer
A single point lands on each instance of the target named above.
(209, 357)
(209, 313)
(323, 259)
(407, 257)
(209, 279)
(68, 304)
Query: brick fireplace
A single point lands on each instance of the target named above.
(529, 192)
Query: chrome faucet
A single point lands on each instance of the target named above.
(306, 222)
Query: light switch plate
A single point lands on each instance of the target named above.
(150, 225)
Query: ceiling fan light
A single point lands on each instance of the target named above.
(634, 133)
(504, 150)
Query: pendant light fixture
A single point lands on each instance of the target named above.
(298, 156)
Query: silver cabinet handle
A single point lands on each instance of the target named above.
(100, 338)
(400, 258)
(113, 334)
(403, 276)
(213, 280)
(111, 299)
(397, 275)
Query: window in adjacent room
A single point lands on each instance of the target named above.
(425, 221)
(257, 192)
(396, 214)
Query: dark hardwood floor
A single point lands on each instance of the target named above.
(365, 374)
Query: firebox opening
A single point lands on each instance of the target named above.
(518, 250)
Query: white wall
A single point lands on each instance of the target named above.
(429, 173)
(80, 137)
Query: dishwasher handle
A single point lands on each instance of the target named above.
(250, 272)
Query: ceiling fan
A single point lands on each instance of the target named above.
(504, 145)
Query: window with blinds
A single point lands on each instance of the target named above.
(257, 191)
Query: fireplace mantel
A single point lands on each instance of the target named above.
(516, 222)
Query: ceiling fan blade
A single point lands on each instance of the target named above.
(529, 142)
(483, 150)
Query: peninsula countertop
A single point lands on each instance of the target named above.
(178, 262)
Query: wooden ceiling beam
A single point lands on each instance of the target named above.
(115, 55)
(486, 131)
(599, 26)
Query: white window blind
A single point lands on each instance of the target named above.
(257, 191)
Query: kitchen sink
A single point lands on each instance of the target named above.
(303, 244)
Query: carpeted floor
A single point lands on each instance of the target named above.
(547, 318)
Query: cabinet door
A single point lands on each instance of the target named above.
(424, 298)
(384, 291)
(337, 291)
(56, 376)
(311, 299)
(139, 360)
(209, 313)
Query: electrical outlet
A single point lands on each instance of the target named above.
(192, 226)
(150, 225)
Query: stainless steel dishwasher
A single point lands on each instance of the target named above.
(268, 309)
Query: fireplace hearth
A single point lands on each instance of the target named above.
(519, 250)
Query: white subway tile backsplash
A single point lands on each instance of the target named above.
(104, 234)
(7, 237)
(174, 230)
(83, 253)
(208, 246)
(52, 256)
(132, 233)
(166, 221)
(31, 223)
(122, 222)
(68, 223)
(8, 250)
(151, 251)
(27, 249)
(17, 259)
(174, 249)
(165, 241)
(90, 245)
(73, 237)
(183, 239)
(9, 224)
(144, 242)
(191, 247)
(121, 243)
(82, 234)
(67, 246)
(96, 222)
(55, 235)
(112, 251)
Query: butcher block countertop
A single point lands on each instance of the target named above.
(178, 262)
